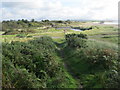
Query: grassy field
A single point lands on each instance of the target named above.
(100, 32)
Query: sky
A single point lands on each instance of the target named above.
(59, 9)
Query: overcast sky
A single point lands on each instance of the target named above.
(60, 9)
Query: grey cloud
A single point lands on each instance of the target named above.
(49, 10)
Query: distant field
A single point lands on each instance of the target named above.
(105, 33)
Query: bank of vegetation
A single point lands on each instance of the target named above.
(73, 63)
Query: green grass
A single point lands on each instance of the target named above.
(106, 38)
(102, 45)
(52, 32)
(79, 68)
(102, 30)
(112, 39)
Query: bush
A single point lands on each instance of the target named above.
(76, 40)
(33, 64)
(104, 58)
(21, 35)
(113, 76)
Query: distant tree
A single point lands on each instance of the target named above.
(59, 21)
(32, 20)
(45, 20)
(26, 21)
(22, 20)
(68, 21)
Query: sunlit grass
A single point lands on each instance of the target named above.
(52, 32)
(102, 45)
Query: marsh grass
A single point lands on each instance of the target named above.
(97, 30)
(102, 45)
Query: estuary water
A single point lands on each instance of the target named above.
(114, 22)
(69, 28)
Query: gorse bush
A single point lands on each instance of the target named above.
(76, 40)
(44, 43)
(33, 64)
(94, 67)
(113, 80)
(104, 58)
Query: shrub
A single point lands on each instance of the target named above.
(76, 40)
(103, 58)
(21, 35)
(33, 64)
(113, 76)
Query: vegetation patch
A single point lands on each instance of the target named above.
(37, 55)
